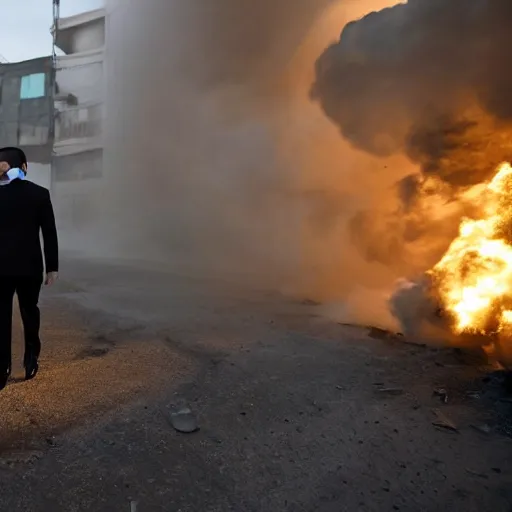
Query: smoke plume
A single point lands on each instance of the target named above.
(427, 79)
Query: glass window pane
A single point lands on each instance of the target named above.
(32, 86)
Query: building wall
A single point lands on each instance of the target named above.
(76, 189)
(80, 78)
(79, 124)
(81, 33)
(82, 75)
(26, 121)
(78, 153)
(90, 37)
(78, 167)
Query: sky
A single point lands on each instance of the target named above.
(26, 25)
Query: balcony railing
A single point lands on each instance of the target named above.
(84, 122)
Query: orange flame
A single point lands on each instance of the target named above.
(474, 277)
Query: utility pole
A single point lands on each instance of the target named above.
(53, 110)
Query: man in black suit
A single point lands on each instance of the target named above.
(25, 211)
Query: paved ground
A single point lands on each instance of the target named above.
(295, 414)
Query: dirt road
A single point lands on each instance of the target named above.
(295, 414)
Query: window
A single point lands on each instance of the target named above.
(32, 86)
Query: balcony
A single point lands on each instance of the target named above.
(79, 129)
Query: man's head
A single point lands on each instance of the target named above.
(14, 157)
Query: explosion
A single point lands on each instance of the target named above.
(473, 280)
(426, 79)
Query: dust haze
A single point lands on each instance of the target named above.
(218, 162)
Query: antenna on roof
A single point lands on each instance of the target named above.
(3, 60)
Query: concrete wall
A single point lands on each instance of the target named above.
(81, 75)
(78, 167)
(75, 208)
(80, 127)
(89, 37)
(78, 160)
(26, 122)
(76, 187)
(81, 33)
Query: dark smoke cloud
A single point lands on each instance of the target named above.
(429, 78)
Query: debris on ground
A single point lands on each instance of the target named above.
(50, 441)
(184, 421)
(442, 394)
(483, 429)
(390, 391)
(22, 457)
(93, 352)
(475, 473)
(442, 421)
(382, 334)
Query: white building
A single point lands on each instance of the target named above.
(79, 105)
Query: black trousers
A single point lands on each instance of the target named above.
(27, 289)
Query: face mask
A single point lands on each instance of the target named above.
(11, 175)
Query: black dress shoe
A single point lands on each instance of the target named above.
(31, 368)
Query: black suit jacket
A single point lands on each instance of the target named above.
(25, 211)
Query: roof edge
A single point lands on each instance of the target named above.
(80, 19)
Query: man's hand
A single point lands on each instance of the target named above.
(51, 277)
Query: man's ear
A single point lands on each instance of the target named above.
(24, 168)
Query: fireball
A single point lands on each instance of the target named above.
(473, 280)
